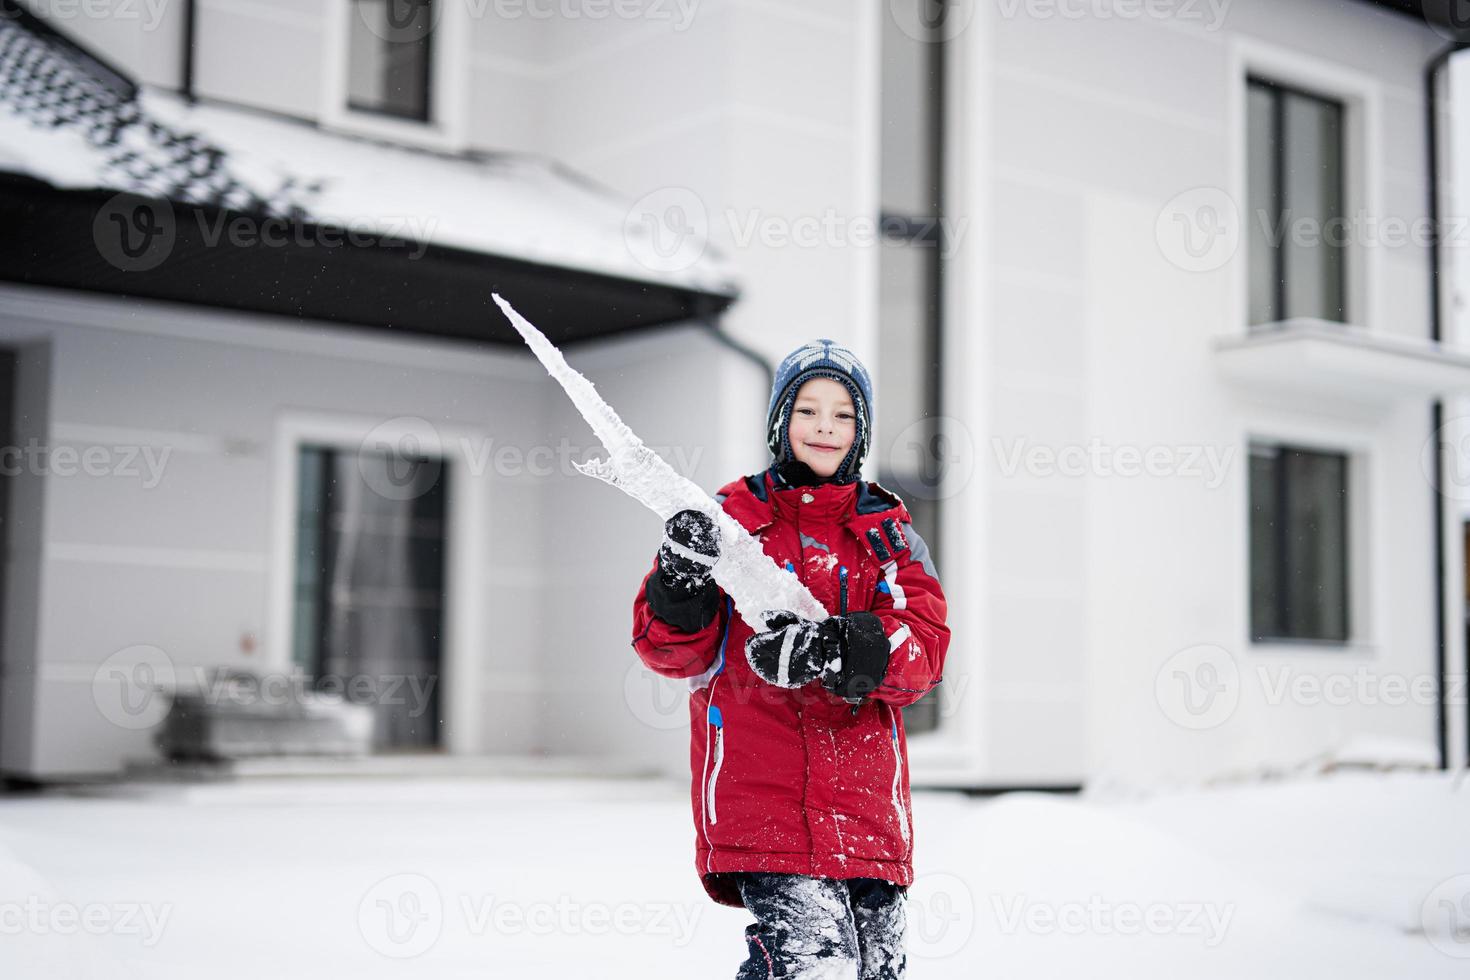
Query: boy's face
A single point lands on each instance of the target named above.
(823, 425)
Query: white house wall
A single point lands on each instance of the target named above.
(1099, 579)
(749, 113)
(189, 565)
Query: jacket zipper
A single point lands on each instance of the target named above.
(713, 716)
(842, 609)
(715, 719)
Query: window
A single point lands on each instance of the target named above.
(910, 285)
(1298, 544)
(1296, 229)
(389, 55)
(369, 601)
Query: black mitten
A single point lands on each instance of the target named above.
(686, 559)
(790, 652)
(683, 592)
(864, 656)
(848, 654)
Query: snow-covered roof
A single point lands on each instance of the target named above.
(72, 129)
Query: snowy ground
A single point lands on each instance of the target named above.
(1333, 877)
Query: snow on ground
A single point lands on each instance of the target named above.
(1332, 876)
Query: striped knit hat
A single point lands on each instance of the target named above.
(820, 359)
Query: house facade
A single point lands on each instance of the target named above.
(1157, 370)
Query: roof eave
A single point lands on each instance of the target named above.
(58, 238)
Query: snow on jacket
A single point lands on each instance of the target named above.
(799, 780)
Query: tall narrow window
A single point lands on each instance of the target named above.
(389, 57)
(370, 585)
(1296, 227)
(910, 455)
(1298, 544)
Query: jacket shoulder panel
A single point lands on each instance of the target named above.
(742, 502)
(876, 502)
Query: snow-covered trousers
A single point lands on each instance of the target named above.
(822, 928)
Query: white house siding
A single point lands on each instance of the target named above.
(1096, 581)
(749, 112)
(191, 564)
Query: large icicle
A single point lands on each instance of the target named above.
(744, 571)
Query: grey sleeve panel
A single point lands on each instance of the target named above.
(920, 551)
(720, 498)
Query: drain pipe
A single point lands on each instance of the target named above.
(186, 84)
(1436, 410)
(707, 315)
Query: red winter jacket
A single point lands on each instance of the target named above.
(798, 780)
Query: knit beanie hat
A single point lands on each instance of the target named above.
(820, 359)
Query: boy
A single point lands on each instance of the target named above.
(799, 762)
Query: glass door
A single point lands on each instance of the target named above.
(369, 599)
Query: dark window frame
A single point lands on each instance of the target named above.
(1278, 92)
(904, 230)
(899, 229)
(1282, 532)
(425, 114)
